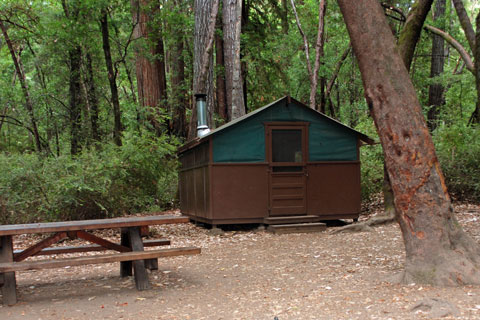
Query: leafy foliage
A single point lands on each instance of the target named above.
(104, 180)
(97, 184)
(458, 149)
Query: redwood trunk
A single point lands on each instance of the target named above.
(151, 79)
(232, 20)
(437, 250)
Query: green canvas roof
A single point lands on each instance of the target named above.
(288, 100)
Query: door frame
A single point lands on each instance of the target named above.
(286, 125)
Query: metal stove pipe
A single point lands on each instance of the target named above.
(201, 102)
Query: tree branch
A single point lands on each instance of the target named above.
(305, 40)
(465, 22)
(338, 66)
(454, 43)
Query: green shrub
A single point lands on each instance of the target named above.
(139, 176)
(458, 150)
(372, 162)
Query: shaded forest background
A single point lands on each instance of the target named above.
(95, 96)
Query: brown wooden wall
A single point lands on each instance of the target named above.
(333, 188)
(223, 193)
(240, 191)
(194, 182)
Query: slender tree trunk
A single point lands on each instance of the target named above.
(232, 21)
(313, 72)
(112, 79)
(24, 85)
(92, 98)
(435, 90)
(244, 66)
(75, 56)
(323, 80)
(179, 123)
(465, 23)
(338, 66)
(408, 38)
(475, 117)
(220, 81)
(284, 16)
(437, 250)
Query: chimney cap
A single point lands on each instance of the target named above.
(200, 95)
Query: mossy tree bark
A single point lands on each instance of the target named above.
(408, 38)
(438, 251)
(436, 97)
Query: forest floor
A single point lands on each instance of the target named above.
(251, 274)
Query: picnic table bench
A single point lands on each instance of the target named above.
(129, 252)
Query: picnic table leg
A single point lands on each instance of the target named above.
(9, 287)
(125, 266)
(151, 264)
(139, 271)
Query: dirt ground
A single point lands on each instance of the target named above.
(251, 274)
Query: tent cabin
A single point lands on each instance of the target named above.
(282, 160)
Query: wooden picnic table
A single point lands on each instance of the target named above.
(129, 252)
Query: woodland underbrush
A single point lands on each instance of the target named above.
(458, 150)
(100, 182)
(141, 176)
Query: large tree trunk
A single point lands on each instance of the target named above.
(435, 90)
(205, 19)
(437, 250)
(232, 21)
(112, 79)
(151, 78)
(24, 85)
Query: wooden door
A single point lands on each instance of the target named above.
(287, 153)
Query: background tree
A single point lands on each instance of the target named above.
(205, 20)
(150, 60)
(232, 20)
(435, 91)
(313, 72)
